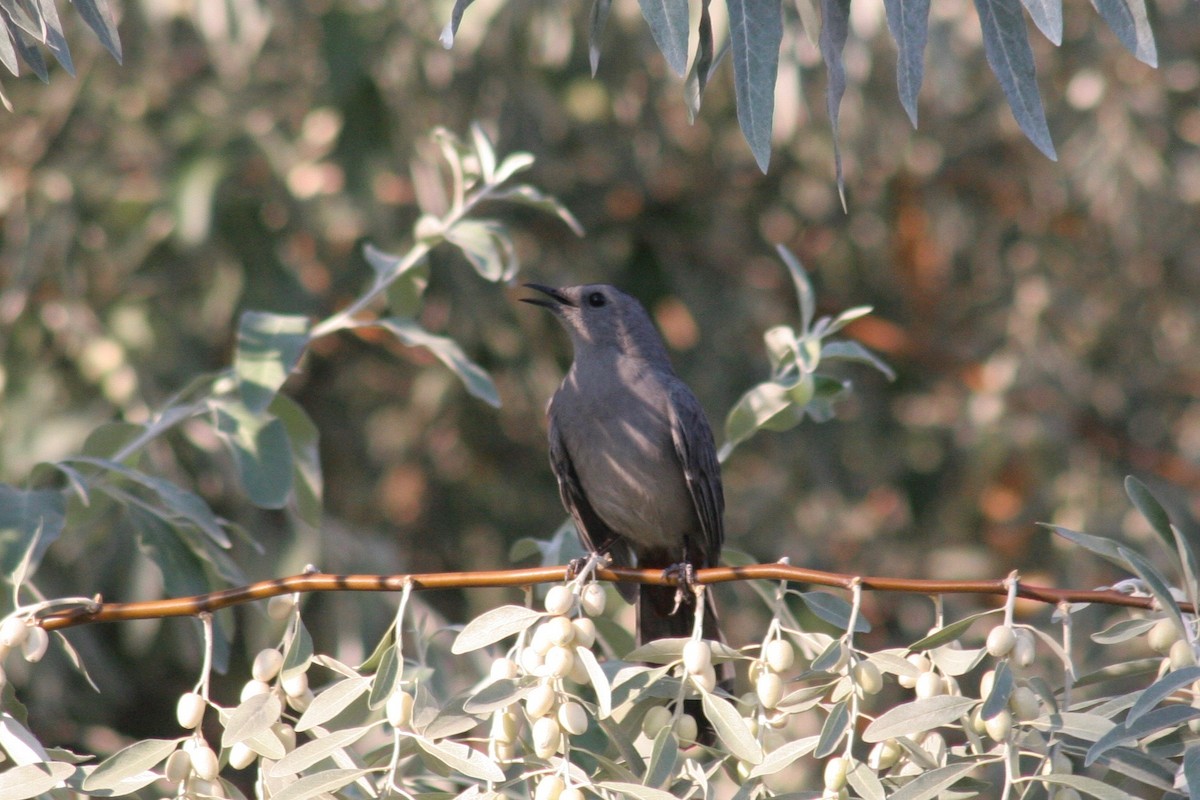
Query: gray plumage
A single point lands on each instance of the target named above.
(633, 451)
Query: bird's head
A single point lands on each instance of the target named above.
(601, 318)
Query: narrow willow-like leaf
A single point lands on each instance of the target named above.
(834, 610)
(1089, 727)
(1156, 582)
(1145, 501)
(1047, 15)
(833, 730)
(1171, 716)
(731, 728)
(668, 21)
(451, 29)
(498, 694)
(863, 780)
(462, 759)
(310, 753)
(598, 680)
(492, 626)
(908, 20)
(31, 780)
(1084, 785)
(1105, 548)
(251, 718)
(1002, 687)
(1191, 770)
(697, 77)
(1129, 22)
(949, 633)
(835, 27)
(474, 378)
(30, 521)
(755, 32)
(30, 54)
(8, 55)
(136, 758)
(930, 784)
(850, 350)
(99, 17)
(596, 23)
(55, 41)
(386, 677)
(635, 790)
(917, 716)
(1123, 631)
(1006, 45)
(262, 453)
(663, 757)
(1160, 690)
(331, 702)
(319, 783)
(784, 755)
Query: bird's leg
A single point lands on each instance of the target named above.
(684, 575)
(581, 568)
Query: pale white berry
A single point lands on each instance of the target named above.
(204, 762)
(868, 677)
(884, 755)
(579, 672)
(503, 668)
(986, 683)
(399, 709)
(295, 684)
(572, 718)
(585, 631)
(921, 663)
(999, 726)
(560, 630)
(241, 756)
(189, 711)
(686, 729)
(935, 745)
(697, 656)
(1057, 764)
(1024, 704)
(539, 702)
(1160, 638)
(253, 689)
(546, 736)
(779, 654)
(266, 664)
(13, 632)
(769, 689)
(35, 644)
(929, 684)
(593, 598)
(976, 721)
(560, 660)
(280, 606)
(951, 687)
(300, 702)
(835, 773)
(1000, 641)
(531, 660)
(1025, 650)
(542, 639)
(286, 734)
(559, 600)
(550, 787)
(574, 793)
(655, 720)
(1180, 655)
(505, 727)
(706, 680)
(179, 765)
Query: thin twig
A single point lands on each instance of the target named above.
(97, 611)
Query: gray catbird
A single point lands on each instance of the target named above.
(634, 454)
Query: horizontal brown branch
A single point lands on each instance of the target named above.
(99, 611)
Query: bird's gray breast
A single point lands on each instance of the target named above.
(617, 431)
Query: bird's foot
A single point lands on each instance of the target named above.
(582, 568)
(684, 575)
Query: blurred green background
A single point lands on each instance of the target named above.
(1041, 316)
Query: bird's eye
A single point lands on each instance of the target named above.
(596, 299)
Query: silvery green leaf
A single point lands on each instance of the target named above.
(1156, 583)
(930, 784)
(99, 17)
(1084, 785)
(731, 728)
(1129, 22)
(462, 759)
(805, 295)
(830, 657)
(511, 165)
(20, 744)
(1002, 686)
(262, 453)
(1006, 45)
(450, 720)
(849, 350)
(753, 411)
(1124, 669)
(1146, 503)
(1123, 631)
(1160, 690)
(955, 662)
(1191, 770)
(320, 783)
(253, 716)
(535, 198)
(1171, 716)
(702, 64)
(474, 378)
(755, 32)
(488, 247)
(865, 782)
(668, 21)
(781, 346)
(387, 676)
(834, 610)
(484, 152)
(499, 693)
(56, 43)
(30, 521)
(663, 756)
(451, 29)
(917, 716)
(133, 760)
(1089, 727)
(268, 348)
(26, 45)
(1105, 548)
(492, 626)
(596, 22)
(313, 751)
(299, 652)
(332, 701)
(635, 790)
(31, 780)
(835, 27)
(784, 756)
(833, 730)
(1047, 15)
(598, 680)
(908, 20)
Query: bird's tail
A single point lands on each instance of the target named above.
(655, 620)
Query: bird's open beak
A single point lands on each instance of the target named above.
(556, 300)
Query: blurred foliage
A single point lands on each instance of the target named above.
(1040, 318)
